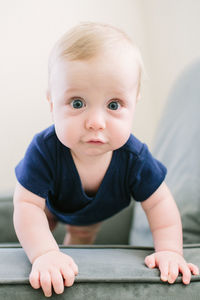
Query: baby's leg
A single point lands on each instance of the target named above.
(51, 219)
(79, 235)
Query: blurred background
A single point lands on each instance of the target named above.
(167, 33)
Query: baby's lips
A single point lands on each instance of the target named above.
(95, 142)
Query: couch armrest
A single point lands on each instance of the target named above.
(104, 273)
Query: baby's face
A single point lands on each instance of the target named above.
(93, 102)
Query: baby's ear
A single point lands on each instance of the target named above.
(138, 97)
(48, 96)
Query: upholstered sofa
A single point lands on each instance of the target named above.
(106, 270)
(114, 267)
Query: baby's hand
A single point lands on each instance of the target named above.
(170, 264)
(53, 269)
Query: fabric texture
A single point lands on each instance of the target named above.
(6, 220)
(177, 145)
(48, 170)
(105, 273)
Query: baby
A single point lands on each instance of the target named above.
(85, 167)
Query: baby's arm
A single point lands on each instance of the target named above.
(165, 224)
(49, 265)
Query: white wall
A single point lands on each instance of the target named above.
(166, 31)
(172, 37)
(28, 30)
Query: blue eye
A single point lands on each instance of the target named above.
(114, 105)
(77, 103)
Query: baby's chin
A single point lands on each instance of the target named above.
(95, 150)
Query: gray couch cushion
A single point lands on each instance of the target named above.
(6, 220)
(114, 230)
(104, 273)
(177, 145)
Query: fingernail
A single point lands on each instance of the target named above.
(164, 278)
(170, 280)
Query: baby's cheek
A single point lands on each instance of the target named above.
(120, 135)
(64, 133)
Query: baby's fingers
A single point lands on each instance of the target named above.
(194, 269)
(57, 282)
(150, 261)
(173, 272)
(45, 280)
(34, 279)
(164, 270)
(68, 276)
(74, 267)
(184, 269)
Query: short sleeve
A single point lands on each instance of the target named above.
(35, 171)
(147, 174)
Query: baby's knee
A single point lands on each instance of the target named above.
(82, 232)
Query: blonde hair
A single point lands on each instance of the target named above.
(87, 40)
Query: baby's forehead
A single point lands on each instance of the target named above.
(116, 59)
(90, 41)
(110, 72)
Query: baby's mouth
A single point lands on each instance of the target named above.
(96, 142)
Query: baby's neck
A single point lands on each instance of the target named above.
(91, 160)
(92, 170)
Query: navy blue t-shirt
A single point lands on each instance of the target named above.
(48, 170)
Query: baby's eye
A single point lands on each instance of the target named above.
(114, 105)
(77, 103)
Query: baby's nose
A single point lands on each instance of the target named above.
(95, 121)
